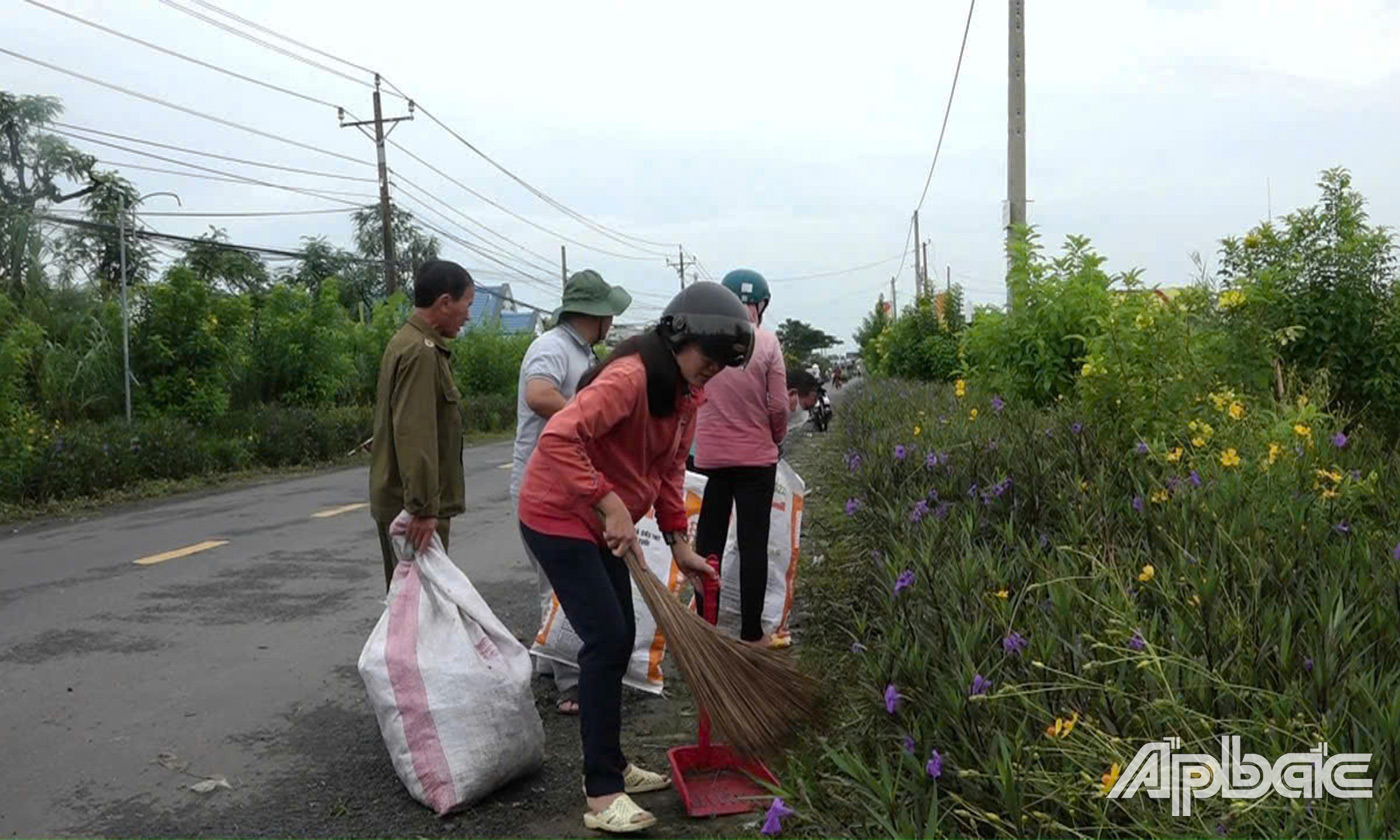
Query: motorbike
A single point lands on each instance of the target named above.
(821, 412)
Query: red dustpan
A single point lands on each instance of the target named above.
(712, 779)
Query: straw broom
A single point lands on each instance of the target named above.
(754, 696)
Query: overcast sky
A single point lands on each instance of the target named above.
(793, 138)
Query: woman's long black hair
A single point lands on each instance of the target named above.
(664, 382)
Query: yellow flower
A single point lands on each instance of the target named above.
(1111, 777)
(1302, 431)
(1143, 321)
(960, 389)
(1083, 486)
(1087, 370)
(1231, 299)
(918, 430)
(1329, 493)
(1274, 452)
(1193, 425)
(1196, 600)
(1147, 574)
(1219, 400)
(1161, 496)
(1062, 727)
(1174, 455)
(972, 415)
(1230, 458)
(1333, 476)
(1198, 442)
(1207, 430)
(1001, 594)
(1236, 411)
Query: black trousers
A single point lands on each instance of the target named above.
(386, 546)
(595, 592)
(749, 491)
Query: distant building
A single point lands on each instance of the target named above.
(495, 306)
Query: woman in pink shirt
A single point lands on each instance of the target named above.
(737, 434)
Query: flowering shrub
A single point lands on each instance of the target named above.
(1081, 594)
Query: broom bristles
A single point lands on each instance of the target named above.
(755, 697)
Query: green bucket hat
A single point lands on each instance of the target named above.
(587, 294)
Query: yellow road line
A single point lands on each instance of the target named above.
(327, 514)
(180, 552)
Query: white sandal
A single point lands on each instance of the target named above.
(622, 816)
(637, 780)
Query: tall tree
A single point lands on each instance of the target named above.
(364, 283)
(96, 252)
(214, 262)
(801, 340)
(32, 165)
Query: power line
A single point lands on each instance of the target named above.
(405, 182)
(180, 55)
(840, 271)
(597, 226)
(484, 244)
(231, 180)
(274, 33)
(211, 170)
(260, 42)
(972, 4)
(508, 211)
(187, 240)
(182, 108)
(184, 150)
(544, 284)
(259, 214)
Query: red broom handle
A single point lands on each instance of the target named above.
(711, 605)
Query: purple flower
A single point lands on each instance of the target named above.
(1308, 664)
(906, 579)
(1137, 642)
(857, 647)
(980, 685)
(877, 555)
(1195, 478)
(908, 744)
(1014, 643)
(1142, 448)
(998, 403)
(933, 494)
(972, 491)
(892, 698)
(1001, 487)
(934, 768)
(1356, 475)
(1173, 483)
(1339, 440)
(1395, 553)
(932, 460)
(1137, 504)
(1044, 541)
(1221, 829)
(852, 505)
(992, 446)
(853, 460)
(1077, 427)
(900, 453)
(1342, 527)
(773, 820)
(919, 512)
(941, 512)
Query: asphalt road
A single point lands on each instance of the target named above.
(217, 636)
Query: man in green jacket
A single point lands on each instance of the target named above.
(416, 460)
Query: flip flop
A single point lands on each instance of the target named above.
(567, 696)
(623, 816)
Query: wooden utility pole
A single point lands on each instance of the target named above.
(681, 264)
(563, 267)
(1015, 123)
(391, 271)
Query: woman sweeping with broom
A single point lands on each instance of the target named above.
(602, 463)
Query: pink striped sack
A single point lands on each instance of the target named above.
(449, 684)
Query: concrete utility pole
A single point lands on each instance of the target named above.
(894, 300)
(391, 271)
(928, 284)
(126, 313)
(918, 267)
(681, 264)
(563, 267)
(1015, 122)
